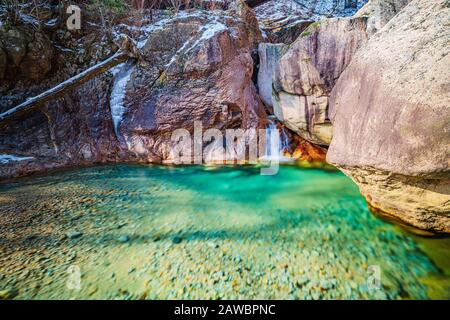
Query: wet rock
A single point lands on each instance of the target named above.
(325, 285)
(121, 225)
(302, 280)
(197, 66)
(213, 245)
(31, 237)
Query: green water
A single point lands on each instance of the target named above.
(153, 232)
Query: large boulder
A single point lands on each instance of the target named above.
(307, 72)
(195, 67)
(379, 12)
(391, 116)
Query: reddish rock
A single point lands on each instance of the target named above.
(201, 71)
(38, 59)
(194, 66)
(307, 72)
(307, 151)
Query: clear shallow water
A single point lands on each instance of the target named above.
(137, 232)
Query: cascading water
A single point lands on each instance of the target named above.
(277, 142)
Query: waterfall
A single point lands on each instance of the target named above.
(276, 142)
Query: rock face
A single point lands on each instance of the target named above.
(269, 58)
(282, 21)
(26, 54)
(379, 12)
(3, 62)
(391, 117)
(196, 65)
(307, 72)
(286, 9)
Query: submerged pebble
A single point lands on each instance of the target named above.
(199, 234)
(74, 234)
(124, 239)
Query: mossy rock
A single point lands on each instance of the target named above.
(310, 30)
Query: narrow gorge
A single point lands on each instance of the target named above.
(314, 139)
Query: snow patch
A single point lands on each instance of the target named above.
(208, 31)
(52, 23)
(6, 158)
(305, 9)
(144, 30)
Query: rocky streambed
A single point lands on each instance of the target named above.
(369, 92)
(146, 232)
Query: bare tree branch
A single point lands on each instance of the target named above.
(127, 51)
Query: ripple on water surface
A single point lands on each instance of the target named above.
(207, 232)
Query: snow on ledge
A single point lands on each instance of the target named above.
(6, 158)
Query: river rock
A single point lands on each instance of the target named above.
(391, 117)
(8, 294)
(123, 239)
(73, 234)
